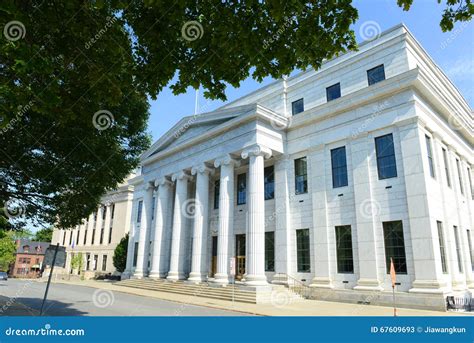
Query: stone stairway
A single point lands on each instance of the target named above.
(228, 293)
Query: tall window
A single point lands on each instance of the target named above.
(153, 208)
(70, 237)
(104, 263)
(446, 167)
(104, 213)
(101, 235)
(64, 237)
(297, 106)
(139, 211)
(241, 189)
(270, 251)
(345, 262)
(376, 74)
(470, 182)
(302, 251)
(333, 92)
(96, 262)
(385, 151)
(430, 156)
(112, 211)
(135, 254)
(469, 243)
(217, 191)
(84, 242)
(93, 236)
(458, 249)
(339, 167)
(88, 262)
(301, 175)
(442, 247)
(395, 246)
(269, 183)
(461, 185)
(77, 236)
(110, 234)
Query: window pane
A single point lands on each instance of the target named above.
(301, 177)
(135, 254)
(302, 251)
(139, 211)
(385, 152)
(469, 243)
(458, 249)
(339, 167)
(241, 189)
(333, 92)
(345, 263)
(430, 156)
(269, 251)
(269, 183)
(297, 106)
(446, 168)
(376, 74)
(395, 246)
(461, 185)
(217, 190)
(442, 247)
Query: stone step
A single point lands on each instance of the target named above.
(187, 287)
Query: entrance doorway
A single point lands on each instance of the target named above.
(239, 256)
(214, 256)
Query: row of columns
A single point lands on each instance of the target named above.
(173, 243)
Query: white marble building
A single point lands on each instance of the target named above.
(322, 177)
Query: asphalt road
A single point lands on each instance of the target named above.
(23, 298)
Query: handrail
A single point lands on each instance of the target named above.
(295, 285)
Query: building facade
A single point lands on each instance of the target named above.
(29, 258)
(97, 237)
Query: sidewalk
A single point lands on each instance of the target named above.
(300, 308)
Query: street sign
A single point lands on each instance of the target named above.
(60, 257)
(232, 266)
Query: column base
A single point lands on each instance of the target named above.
(256, 280)
(175, 276)
(197, 277)
(368, 285)
(157, 275)
(222, 279)
(428, 286)
(139, 274)
(321, 282)
(127, 274)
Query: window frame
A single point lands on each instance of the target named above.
(457, 245)
(442, 247)
(269, 183)
(429, 153)
(270, 251)
(304, 176)
(303, 237)
(139, 211)
(446, 167)
(461, 181)
(370, 79)
(399, 260)
(296, 103)
(335, 168)
(385, 157)
(336, 86)
(345, 263)
(241, 192)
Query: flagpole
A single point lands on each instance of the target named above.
(393, 277)
(394, 305)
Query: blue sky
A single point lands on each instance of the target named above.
(452, 51)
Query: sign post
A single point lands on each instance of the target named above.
(393, 276)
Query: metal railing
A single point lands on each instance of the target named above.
(459, 303)
(294, 285)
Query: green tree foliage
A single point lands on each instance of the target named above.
(120, 254)
(7, 252)
(44, 235)
(77, 261)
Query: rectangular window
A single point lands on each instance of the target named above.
(461, 185)
(470, 182)
(217, 191)
(394, 246)
(345, 262)
(101, 235)
(70, 237)
(135, 254)
(442, 247)
(93, 236)
(301, 176)
(339, 167)
(430, 156)
(104, 263)
(269, 176)
(458, 249)
(96, 261)
(110, 235)
(376, 74)
(84, 242)
(104, 213)
(302, 251)
(64, 237)
(297, 106)
(139, 211)
(153, 208)
(112, 209)
(77, 236)
(333, 92)
(469, 243)
(385, 151)
(88, 262)
(446, 168)
(241, 189)
(270, 251)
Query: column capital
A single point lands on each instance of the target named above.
(150, 184)
(164, 181)
(181, 175)
(256, 150)
(202, 168)
(226, 160)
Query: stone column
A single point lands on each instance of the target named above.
(255, 259)
(178, 241)
(199, 265)
(465, 223)
(107, 224)
(226, 217)
(162, 237)
(144, 240)
(131, 244)
(366, 209)
(90, 229)
(98, 225)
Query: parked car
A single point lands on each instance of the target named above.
(3, 276)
